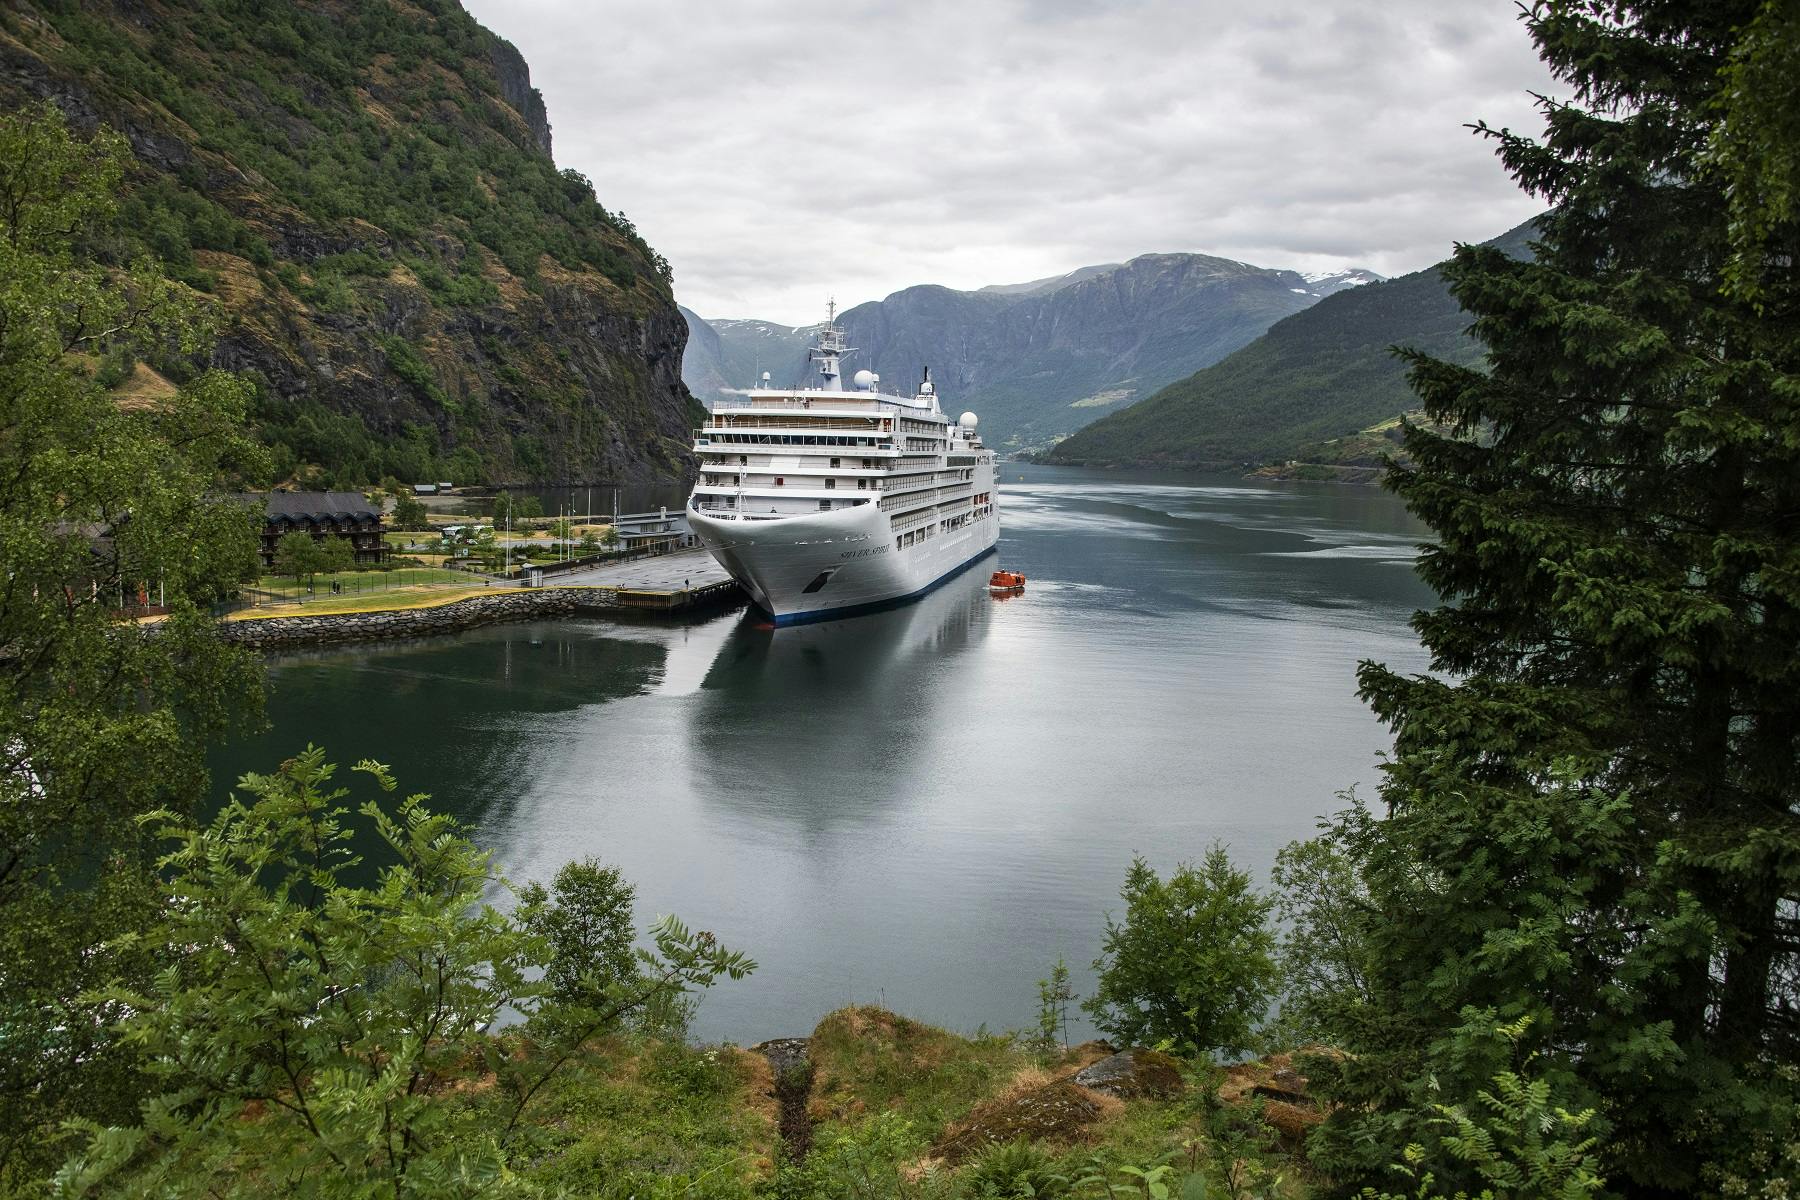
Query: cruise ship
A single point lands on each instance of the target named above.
(827, 501)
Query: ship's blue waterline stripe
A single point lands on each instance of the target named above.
(857, 610)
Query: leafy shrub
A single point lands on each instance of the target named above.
(1192, 966)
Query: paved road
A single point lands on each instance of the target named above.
(668, 573)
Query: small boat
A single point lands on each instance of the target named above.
(1006, 581)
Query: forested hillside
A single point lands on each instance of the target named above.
(1320, 374)
(367, 191)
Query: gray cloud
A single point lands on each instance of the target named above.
(778, 151)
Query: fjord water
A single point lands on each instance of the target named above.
(926, 806)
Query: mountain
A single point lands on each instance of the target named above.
(728, 354)
(367, 191)
(1038, 360)
(1039, 287)
(1325, 373)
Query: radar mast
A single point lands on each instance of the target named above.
(830, 349)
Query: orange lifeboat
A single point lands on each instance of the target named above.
(1006, 581)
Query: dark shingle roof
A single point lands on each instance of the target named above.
(321, 504)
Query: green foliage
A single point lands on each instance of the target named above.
(1192, 965)
(406, 362)
(405, 179)
(1017, 1169)
(336, 553)
(1054, 995)
(862, 1163)
(311, 1028)
(1324, 908)
(1752, 147)
(1127, 1180)
(1518, 1138)
(586, 917)
(530, 507)
(100, 719)
(299, 554)
(409, 511)
(1591, 809)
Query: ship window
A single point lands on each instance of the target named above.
(831, 484)
(743, 460)
(834, 463)
(824, 505)
(779, 482)
(897, 543)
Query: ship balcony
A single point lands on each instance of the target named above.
(849, 496)
(914, 497)
(812, 422)
(740, 441)
(819, 464)
(762, 507)
(924, 485)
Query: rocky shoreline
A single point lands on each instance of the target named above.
(328, 629)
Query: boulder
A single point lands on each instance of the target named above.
(1056, 1110)
(1133, 1075)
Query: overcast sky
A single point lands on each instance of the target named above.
(781, 152)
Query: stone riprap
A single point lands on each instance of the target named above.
(283, 633)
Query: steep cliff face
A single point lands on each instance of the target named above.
(1040, 359)
(515, 87)
(365, 186)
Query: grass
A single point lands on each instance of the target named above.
(361, 581)
(396, 600)
(867, 1058)
(643, 1118)
(383, 601)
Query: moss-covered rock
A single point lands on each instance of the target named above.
(1133, 1075)
(1057, 1111)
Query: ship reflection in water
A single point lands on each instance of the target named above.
(859, 712)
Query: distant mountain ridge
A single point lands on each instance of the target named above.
(1039, 359)
(1322, 374)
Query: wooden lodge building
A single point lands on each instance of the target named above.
(347, 515)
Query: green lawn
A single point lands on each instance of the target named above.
(354, 582)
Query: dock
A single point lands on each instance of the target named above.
(684, 581)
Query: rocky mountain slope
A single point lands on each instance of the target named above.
(1325, 373)
(366, 187)
(1038, 360)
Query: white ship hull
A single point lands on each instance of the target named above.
(807, 568)
(824, 502)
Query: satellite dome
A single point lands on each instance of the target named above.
(967, 420)
(863, 379)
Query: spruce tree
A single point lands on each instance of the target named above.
(1593, 801)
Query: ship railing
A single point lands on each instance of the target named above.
(916, 496)
(737, 441)
(860, 402)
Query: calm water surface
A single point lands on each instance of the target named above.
(923, 807)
